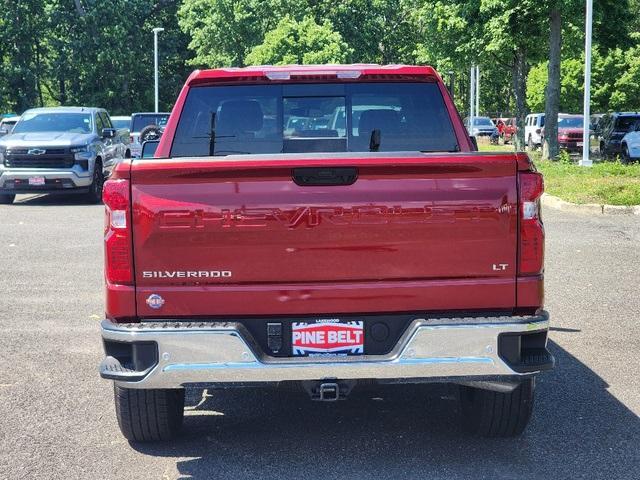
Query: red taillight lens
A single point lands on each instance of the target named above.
(531, 229)
(117, 234)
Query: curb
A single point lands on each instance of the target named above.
(590, 208)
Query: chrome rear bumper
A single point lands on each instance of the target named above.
(190, 353)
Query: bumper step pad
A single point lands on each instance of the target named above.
(112, 369)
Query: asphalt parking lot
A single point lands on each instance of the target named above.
(57, 417)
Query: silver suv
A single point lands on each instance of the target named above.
(59, 150)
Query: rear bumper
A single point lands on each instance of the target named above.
(462, 350)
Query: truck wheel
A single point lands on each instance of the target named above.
(603, 152)
(7, 199)
(625, 158)
(497, 414)
(95, 190)
(146, 415)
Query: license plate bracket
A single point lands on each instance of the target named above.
(327, 337)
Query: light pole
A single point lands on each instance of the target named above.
(472, 103)
(452, 81)
(477, 109)
(586, 121)
(155, 61)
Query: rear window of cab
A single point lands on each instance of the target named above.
(292, 118)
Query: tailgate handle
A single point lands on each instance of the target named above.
(317, 176)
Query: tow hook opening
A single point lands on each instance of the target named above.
(328, 390)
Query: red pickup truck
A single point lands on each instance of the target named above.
(323, 225)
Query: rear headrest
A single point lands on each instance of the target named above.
(239, 116)
(387, 121)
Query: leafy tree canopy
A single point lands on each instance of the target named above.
(304, 42)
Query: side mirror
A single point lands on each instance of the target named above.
(108, 132)
(149, 148)
(474, 142)
(4, 131)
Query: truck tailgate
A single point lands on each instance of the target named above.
(238, 236)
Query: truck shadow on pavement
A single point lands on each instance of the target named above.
(44, 200)
(579, 430)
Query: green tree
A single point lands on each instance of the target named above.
(304, 42)
(615, 81)
(504, 33)
(611, 20)
(21, 54)
(571, 86)
(223, 32)
(378, 31)
(102, 53)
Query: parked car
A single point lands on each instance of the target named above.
(630, 148)
(7, 124)
(122, 124)
(614, 127)
(570, 132)
(154, 124)
(510, 129)
(389, 253)
(59, 150)
(533, 125)
(482, 127)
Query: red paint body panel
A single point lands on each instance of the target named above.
(330, 298)
(121, 302)
(530, 292)
(413, 218)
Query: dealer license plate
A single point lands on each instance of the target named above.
(36, 180)
(326, 337)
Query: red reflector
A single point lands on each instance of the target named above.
(531, 246)
(117, 238)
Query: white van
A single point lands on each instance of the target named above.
(533, 129)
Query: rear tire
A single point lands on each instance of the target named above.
(496, 414)
(95, 189)
(625, 157)
(603, 152)
(7, 199)
(146, 415)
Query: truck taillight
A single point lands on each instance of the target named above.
(531, 261)
(117, 232)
